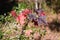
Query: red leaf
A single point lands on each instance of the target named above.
(13, 13)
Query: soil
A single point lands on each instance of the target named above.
(51, 35)
(53, 30)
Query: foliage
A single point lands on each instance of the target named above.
(22, 37)
(9, 18)
(24, 24)
(54, 4)
(1, 34)
(20, 7)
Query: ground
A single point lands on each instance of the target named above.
(51, 35)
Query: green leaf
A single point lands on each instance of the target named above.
(1, 34)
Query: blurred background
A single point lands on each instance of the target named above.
(11, 30)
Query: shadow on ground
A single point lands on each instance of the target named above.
(54, 26)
